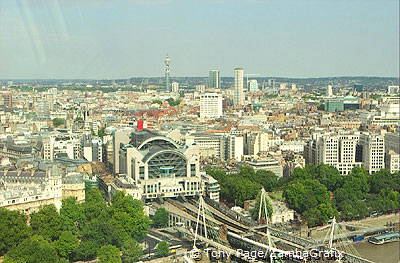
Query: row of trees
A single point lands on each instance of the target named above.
(317, 192)
(244, 184)
(320, 192)
(79, 231)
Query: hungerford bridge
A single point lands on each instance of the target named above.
(214, 224)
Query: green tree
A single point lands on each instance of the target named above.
(66, 245)
(33, 250)
(47, 222)
(355, 187)
(103, 232)
(350, 210)
(87, 250)
(95, 206)
(128, 213)
(255, 211)
(246, 170)
(384, 180)
(160, 218)
(72, 214)
(267, 179)
(244, 189)
(326, 175)
(131, 251)
(217, 173)
(109, 254)
(303, 195)
(13, 229)
(101, 132)
(163, 248)
(319, 215)
(173, 102)
(58, 122)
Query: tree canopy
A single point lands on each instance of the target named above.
(109, 254)
(33, 250)
(163, 248)
(316, 192)
(13, 229)
(160, 218)
(79, 231)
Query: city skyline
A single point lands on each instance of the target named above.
(71, 40)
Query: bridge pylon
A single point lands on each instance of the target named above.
(200, 213)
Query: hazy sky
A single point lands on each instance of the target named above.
(128, 38)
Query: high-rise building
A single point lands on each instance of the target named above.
(214, 79)
(392, 161)
(345, 151)
(234, 147)
(253, 85)
(210, 105)
(238, 87)
(42, 110)
(373, 152)
(329, 91)
(175, 87)
(167, 72)
(271, 83)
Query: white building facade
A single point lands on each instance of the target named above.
(210, 106)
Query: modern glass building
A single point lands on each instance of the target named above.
(214, 79)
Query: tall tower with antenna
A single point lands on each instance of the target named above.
(167, 71)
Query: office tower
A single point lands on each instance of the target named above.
(253, 85)
(214, 79)
(392, 161)
(210, 105)
(345, 151)
(175, 87)
(329, 91)
(393, 90)
(43, 110)
(338, 150)
(392, 141)
(271, 83)
(91, 148)
(234, 147)
(373, 152)
(167, 71)
(358, 87)
(238, 87)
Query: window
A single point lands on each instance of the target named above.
(141, 173)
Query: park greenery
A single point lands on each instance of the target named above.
(316, 192)
(163, 248)
(58, 122)
(160, 218)
(245, 184)
(171, 102)
(109, 232)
